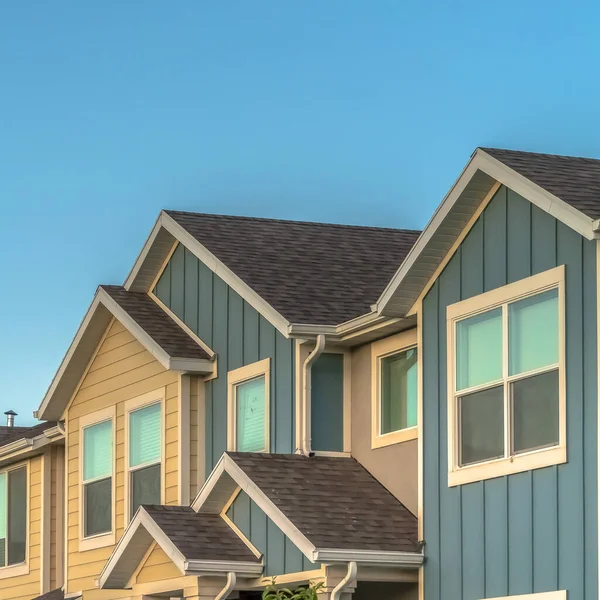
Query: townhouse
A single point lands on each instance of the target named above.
(394, 414)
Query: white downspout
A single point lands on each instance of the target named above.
(231, 581)
(348, 581)
(306, 445)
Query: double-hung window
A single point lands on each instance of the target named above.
(506, 403)
(394, 366)
(145, 456)
(248, 408)
(13, 516)
(97, 478)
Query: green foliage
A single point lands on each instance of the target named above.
(300, 593)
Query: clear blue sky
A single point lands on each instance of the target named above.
(349, 111)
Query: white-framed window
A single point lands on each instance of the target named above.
(248, 405)
(144, 450)
(97, 479)
(506, 378)
(394, 396)
(13, 516)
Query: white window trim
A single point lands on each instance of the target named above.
(21, 568)
(100, 540)
(535, 459)
(558, 595)
(381, 349)
(234, 378)
(154, 397)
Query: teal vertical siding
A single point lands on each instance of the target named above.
(529, 532)
(240, 336)
(327, 407)
(281, 556)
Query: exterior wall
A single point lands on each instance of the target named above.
(156, 567)
(394, 466)
(240, 336)
(27, 586)
(327, 403)
(121, 370)
(57, 509)
(534, 531)
(280, 554)
(368, 590)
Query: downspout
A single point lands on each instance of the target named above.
(224, 593)
(348, 581)
(306, 445)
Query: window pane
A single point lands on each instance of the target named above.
(535, 412)
(144, 435)
(399, 391)
(533, 332)
(17, 516)
(98, 501)
(97, 451)
(479, 349)
(145, 487)
(3, 519)
(250, 401)
(482, 426)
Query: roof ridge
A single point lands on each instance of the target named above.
(290, 221)
(541, 154)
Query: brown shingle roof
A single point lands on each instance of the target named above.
(573, 179)
(156, 323)
(12, 434)
(57, 594)
(335, 502)
(309, 272)
(200, 536)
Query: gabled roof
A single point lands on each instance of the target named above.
(331, 508)
(196, 543)
(173, 346)
(57, 594)
(567, 188)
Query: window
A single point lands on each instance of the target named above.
(145, 456)
(248, 408)
(506, 396)
(394, 365)
(13, 516)
(97, 478)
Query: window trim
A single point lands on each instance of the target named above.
(557, 595)
(241, 375)
(21, 568)
(100, 540)
(400, 342)
(534, 459)
(154, 397)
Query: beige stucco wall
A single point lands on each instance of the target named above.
(395, 466)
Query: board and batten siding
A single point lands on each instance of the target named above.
(327, 403)
(281, 556)
(239, 336)
(534, 531)
(121, 370)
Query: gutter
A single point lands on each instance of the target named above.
(229, 585)
(305, 409)
(405, 560)
(348, 582)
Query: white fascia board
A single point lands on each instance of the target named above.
(225, 273)
(227, 465)
(139, 261)
(16, 446)
(26, 446)
(191, 365)
(407, 560)
(67, 358)
(508, 177)
(241, 568)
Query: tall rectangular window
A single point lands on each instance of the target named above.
(507, 374)
(97, 478)
(13, 516)
(145, 456)
(248, 408)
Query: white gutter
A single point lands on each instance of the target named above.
(405, 560)
(347, 582)
(224, 593)
(305, 410)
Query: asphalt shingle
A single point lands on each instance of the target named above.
(12, 434)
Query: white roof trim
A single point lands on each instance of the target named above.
(214, 264)
(406, 560)
(227, 465)
(511, 179)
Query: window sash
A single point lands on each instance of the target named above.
(507, 380)
(145, 436)
(13, 530)
(97, 451)
(86, 524)
(243, 437)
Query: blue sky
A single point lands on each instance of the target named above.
(338, 110)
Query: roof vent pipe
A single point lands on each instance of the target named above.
(10, 418)
(306, 445)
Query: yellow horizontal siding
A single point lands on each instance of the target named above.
(121, 370)
(157, 567)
